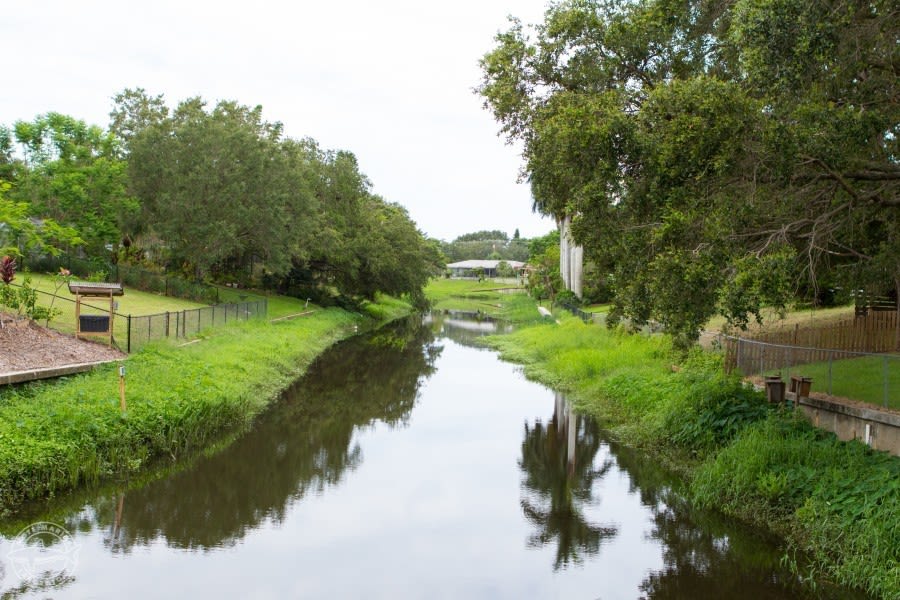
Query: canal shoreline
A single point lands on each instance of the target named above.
(58, 436)
(837, 503)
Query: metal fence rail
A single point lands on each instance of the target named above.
(131, 332)
(575, 310)
(864, 376)
(139, 330)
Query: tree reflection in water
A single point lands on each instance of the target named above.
(303, 445)
(559, 474)
(466, 328)
(705, 554)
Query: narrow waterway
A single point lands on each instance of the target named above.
(407, 464)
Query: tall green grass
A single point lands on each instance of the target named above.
(836, 502)
(633, 385)
(55, 436)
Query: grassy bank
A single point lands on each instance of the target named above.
(497, 300)
(55, 436)
(837, 503)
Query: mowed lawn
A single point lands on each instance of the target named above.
(810, 317)
(133, 302)
(871, 379)
(136, 302)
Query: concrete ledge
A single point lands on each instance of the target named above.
(878, 429)
(50, 372)
(869, 413)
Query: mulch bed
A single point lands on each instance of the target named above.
(25, 345)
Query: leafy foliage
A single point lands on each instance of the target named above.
(225, 189)
(72, 174)
(544, 279)
(211, 193)
(18, 232)
(23, 299)
(712, 155)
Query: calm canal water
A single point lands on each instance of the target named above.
(406, 464)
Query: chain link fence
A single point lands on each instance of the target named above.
(578, 312)
(139, 330)
(132, 332)
(868, 377)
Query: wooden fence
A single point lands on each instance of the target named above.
(875, 332)
(754, 357)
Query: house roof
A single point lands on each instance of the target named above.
(484, 264)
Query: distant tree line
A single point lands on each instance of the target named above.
(214, 193)
(713, 156)
(486, 245)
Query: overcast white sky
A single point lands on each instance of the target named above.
(390, 81)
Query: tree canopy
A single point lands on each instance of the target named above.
(211, 191)
(716, 156)
(69, 172)
(19, 233)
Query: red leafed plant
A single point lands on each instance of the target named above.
(7, 269)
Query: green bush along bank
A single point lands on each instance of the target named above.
(837, 504)
(57, 435)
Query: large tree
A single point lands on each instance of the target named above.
(222, 189)
(713, 153)
(70, 172)
(133, 111)
(363, 244)
(209, 182)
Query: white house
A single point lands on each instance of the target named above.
(469, 268)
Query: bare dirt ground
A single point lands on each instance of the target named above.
(25, 345)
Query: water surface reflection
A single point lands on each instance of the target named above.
(410, 464)
(304, 445)
(559, 474)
